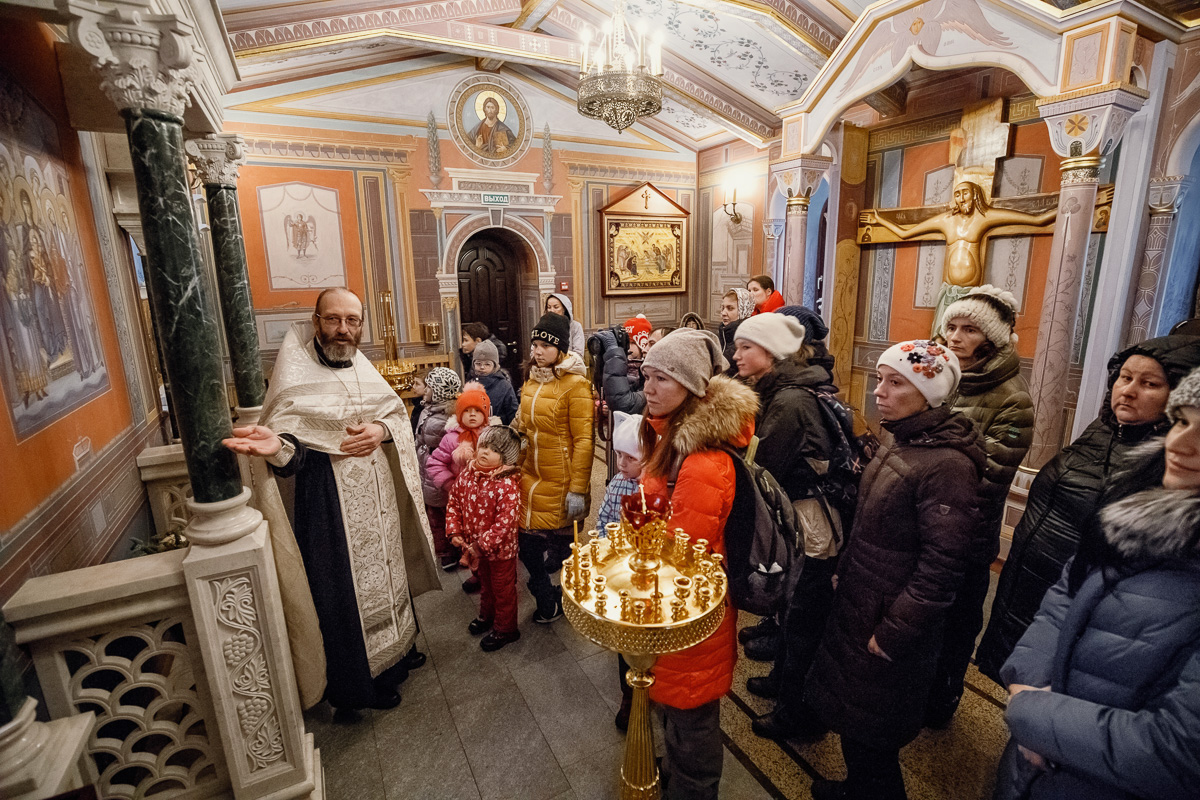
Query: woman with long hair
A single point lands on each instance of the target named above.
(690, 416)
(1104, 686)
(556, 417)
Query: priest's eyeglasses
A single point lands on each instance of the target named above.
(353, 323)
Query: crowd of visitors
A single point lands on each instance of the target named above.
(1095, 629)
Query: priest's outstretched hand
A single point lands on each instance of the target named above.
(254, 440)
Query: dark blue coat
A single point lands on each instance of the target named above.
(500, 392)
(1122, 658)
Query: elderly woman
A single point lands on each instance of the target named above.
(1104, 686)
(898, 574)
(1067, 488)
(690, 416)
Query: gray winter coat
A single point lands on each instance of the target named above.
(1122, 660)
(431, 427)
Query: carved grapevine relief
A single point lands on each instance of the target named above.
(246, 666)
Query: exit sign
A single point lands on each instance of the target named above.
(495, 199)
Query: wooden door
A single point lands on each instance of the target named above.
(488, 275)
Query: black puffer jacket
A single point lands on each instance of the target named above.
(789, 425)
(725, 334)
(1062, 500)
(911, 544)
(618, 389)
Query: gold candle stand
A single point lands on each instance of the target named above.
(643, 594)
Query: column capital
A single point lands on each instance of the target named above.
(1166, 194)
(217, 157)
(799, 177)
(1089, 123)
(773, 228)
(145, 60)
(575, 185)
(399, 176)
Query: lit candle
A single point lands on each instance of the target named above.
(642, 489)
(641, 47)
(735, 195)
(587, 42)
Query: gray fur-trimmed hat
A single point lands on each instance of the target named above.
(1187, 393)
(504, 440)
(444, 383)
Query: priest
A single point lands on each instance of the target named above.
(332, 421)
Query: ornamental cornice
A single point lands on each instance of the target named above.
(217, 157)
(325, 151)
(624, 172)
(145, 61)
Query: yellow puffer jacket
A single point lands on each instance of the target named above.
(556, 415)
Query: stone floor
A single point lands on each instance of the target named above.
(534, 721)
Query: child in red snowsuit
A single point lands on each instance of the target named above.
(481, 519)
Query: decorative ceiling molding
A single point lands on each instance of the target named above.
(530, 18)
(292, 33)
(627, 173)
(324, 151)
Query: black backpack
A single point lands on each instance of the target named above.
(851, 453)
(763, 557)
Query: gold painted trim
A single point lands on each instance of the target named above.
(1091, 90)
(407, 268)
(766, 11)
(1081, 162)
(364, 241)
(797, 201)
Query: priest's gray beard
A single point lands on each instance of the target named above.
(339, 346)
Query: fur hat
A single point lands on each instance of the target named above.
(993, 310)
(503, 440)
(473, 396)
(638, 329)
(779, 335)
(745, 302)
(929, 366)
(625, 433)
(689, 356)
(444, 383)
(554, 330)
(486, 351)
(1187, 393)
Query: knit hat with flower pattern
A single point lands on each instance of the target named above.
(639, 329)
(444, 383)
(927, 365)
(993, 310)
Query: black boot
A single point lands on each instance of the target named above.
(778, 726)
(764, 648)
(764, 685)
(767, 626)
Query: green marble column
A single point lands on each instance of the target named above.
(188, 324)
(233, 289)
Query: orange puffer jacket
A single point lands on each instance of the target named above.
(700, 504)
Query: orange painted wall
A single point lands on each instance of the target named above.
(31, 470)
(341, 181)
(909, 322)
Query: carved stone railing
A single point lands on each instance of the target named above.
(165, 474)
(122, 640)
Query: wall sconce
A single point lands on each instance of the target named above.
(734, 216)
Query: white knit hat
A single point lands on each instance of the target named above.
(779, 335)
(929, 366)
(993, 310)
(626, 436)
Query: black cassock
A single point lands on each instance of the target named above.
(317, 523)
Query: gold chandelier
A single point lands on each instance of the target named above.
(617, 83)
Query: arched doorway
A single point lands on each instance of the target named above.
(489, 271)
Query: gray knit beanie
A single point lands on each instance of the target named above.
(485, 351)
(444, 383)
(689, 356)
(503, 440)
(1187, 393)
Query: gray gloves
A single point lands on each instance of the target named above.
(576, 505)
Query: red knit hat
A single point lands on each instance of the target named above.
(473, 396)
(638, 329)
